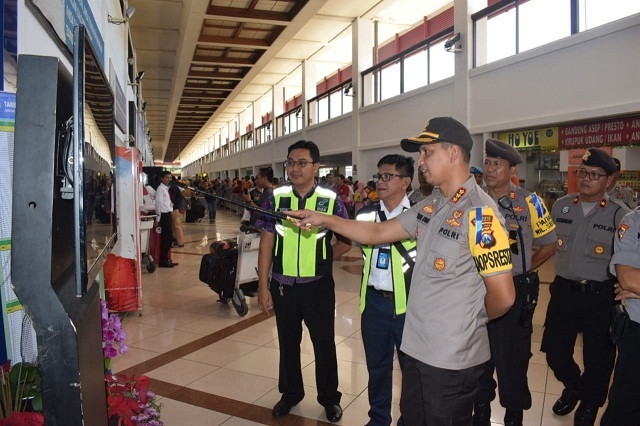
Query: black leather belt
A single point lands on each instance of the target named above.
(383, 293)
(586, 286)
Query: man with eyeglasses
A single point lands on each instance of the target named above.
(462, 277)
(386, 277)
(582, 292)
(295, 279)
(528, 224)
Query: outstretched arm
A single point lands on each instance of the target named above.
(369, 233)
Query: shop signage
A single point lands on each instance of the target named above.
(545, 139)
(612, 132)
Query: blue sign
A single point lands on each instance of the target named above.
(78, 12)
(7, 111)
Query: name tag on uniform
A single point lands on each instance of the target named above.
(383, 258)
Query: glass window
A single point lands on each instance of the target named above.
(442, 62)
(594, 13)
(543, 21)
(335, 101)
(416, 70)
(501, 35)
(323, 109)
(390, 81)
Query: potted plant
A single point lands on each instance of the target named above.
(130, 402)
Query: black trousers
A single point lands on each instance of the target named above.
(569, 313)
(510, 354)
(166, 236)
(313, 303)
(624, 396)
(434, 396)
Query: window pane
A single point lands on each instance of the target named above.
(335, 100)
(323, 109)
(390, 81)
(594, 13)
(543, 21)
(416, 70)
(347, 101)
(442, 62)
(501, 35)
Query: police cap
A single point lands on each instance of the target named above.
(440, 129)
(498, 149)
(595, 157)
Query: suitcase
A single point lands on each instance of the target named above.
(218, 269)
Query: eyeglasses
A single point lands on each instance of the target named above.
(385, 177)
(582, 173)
(300, 163)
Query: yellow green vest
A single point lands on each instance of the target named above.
(400, 273)
(299, 253)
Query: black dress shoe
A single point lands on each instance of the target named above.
(585, 415)
(482, 414)
(333, 412)
(167, 264)
(513, 418)
(566, 403)
(281, 409)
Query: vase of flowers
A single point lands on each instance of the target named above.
(130, 401)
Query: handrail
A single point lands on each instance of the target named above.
(400, 55)
(335, 88)
(491, 9)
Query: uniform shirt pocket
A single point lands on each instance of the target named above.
(443, 258)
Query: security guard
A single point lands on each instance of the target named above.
(301, 287)
(385, 285)
(582, 291)
(510, 336)
(462, 277)
(624, 405)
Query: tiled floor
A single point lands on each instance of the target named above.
(213, 367)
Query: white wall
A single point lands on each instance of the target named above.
(591, 74)
(587, 76)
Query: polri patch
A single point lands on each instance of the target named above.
(322, 205)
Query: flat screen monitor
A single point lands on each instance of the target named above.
(94, 152)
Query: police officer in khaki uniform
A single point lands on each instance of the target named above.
(582, 291)
(462, 277)
(528, 223)
(624, 404)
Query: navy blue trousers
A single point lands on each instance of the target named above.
(381, 336)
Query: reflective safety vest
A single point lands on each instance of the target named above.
(299, 253)
(400, 271)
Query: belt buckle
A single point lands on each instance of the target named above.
(582, 282)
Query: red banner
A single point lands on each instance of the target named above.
(612, 132)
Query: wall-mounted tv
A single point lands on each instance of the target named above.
(93, 139)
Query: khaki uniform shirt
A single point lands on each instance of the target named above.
(626, 251)
(460, 240)
(537, 226)
(585, 243)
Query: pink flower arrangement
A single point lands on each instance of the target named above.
(112, 333)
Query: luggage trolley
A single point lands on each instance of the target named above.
(146, 225)
(231, 268)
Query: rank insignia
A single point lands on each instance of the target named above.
(428, 209)
(459, 193)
